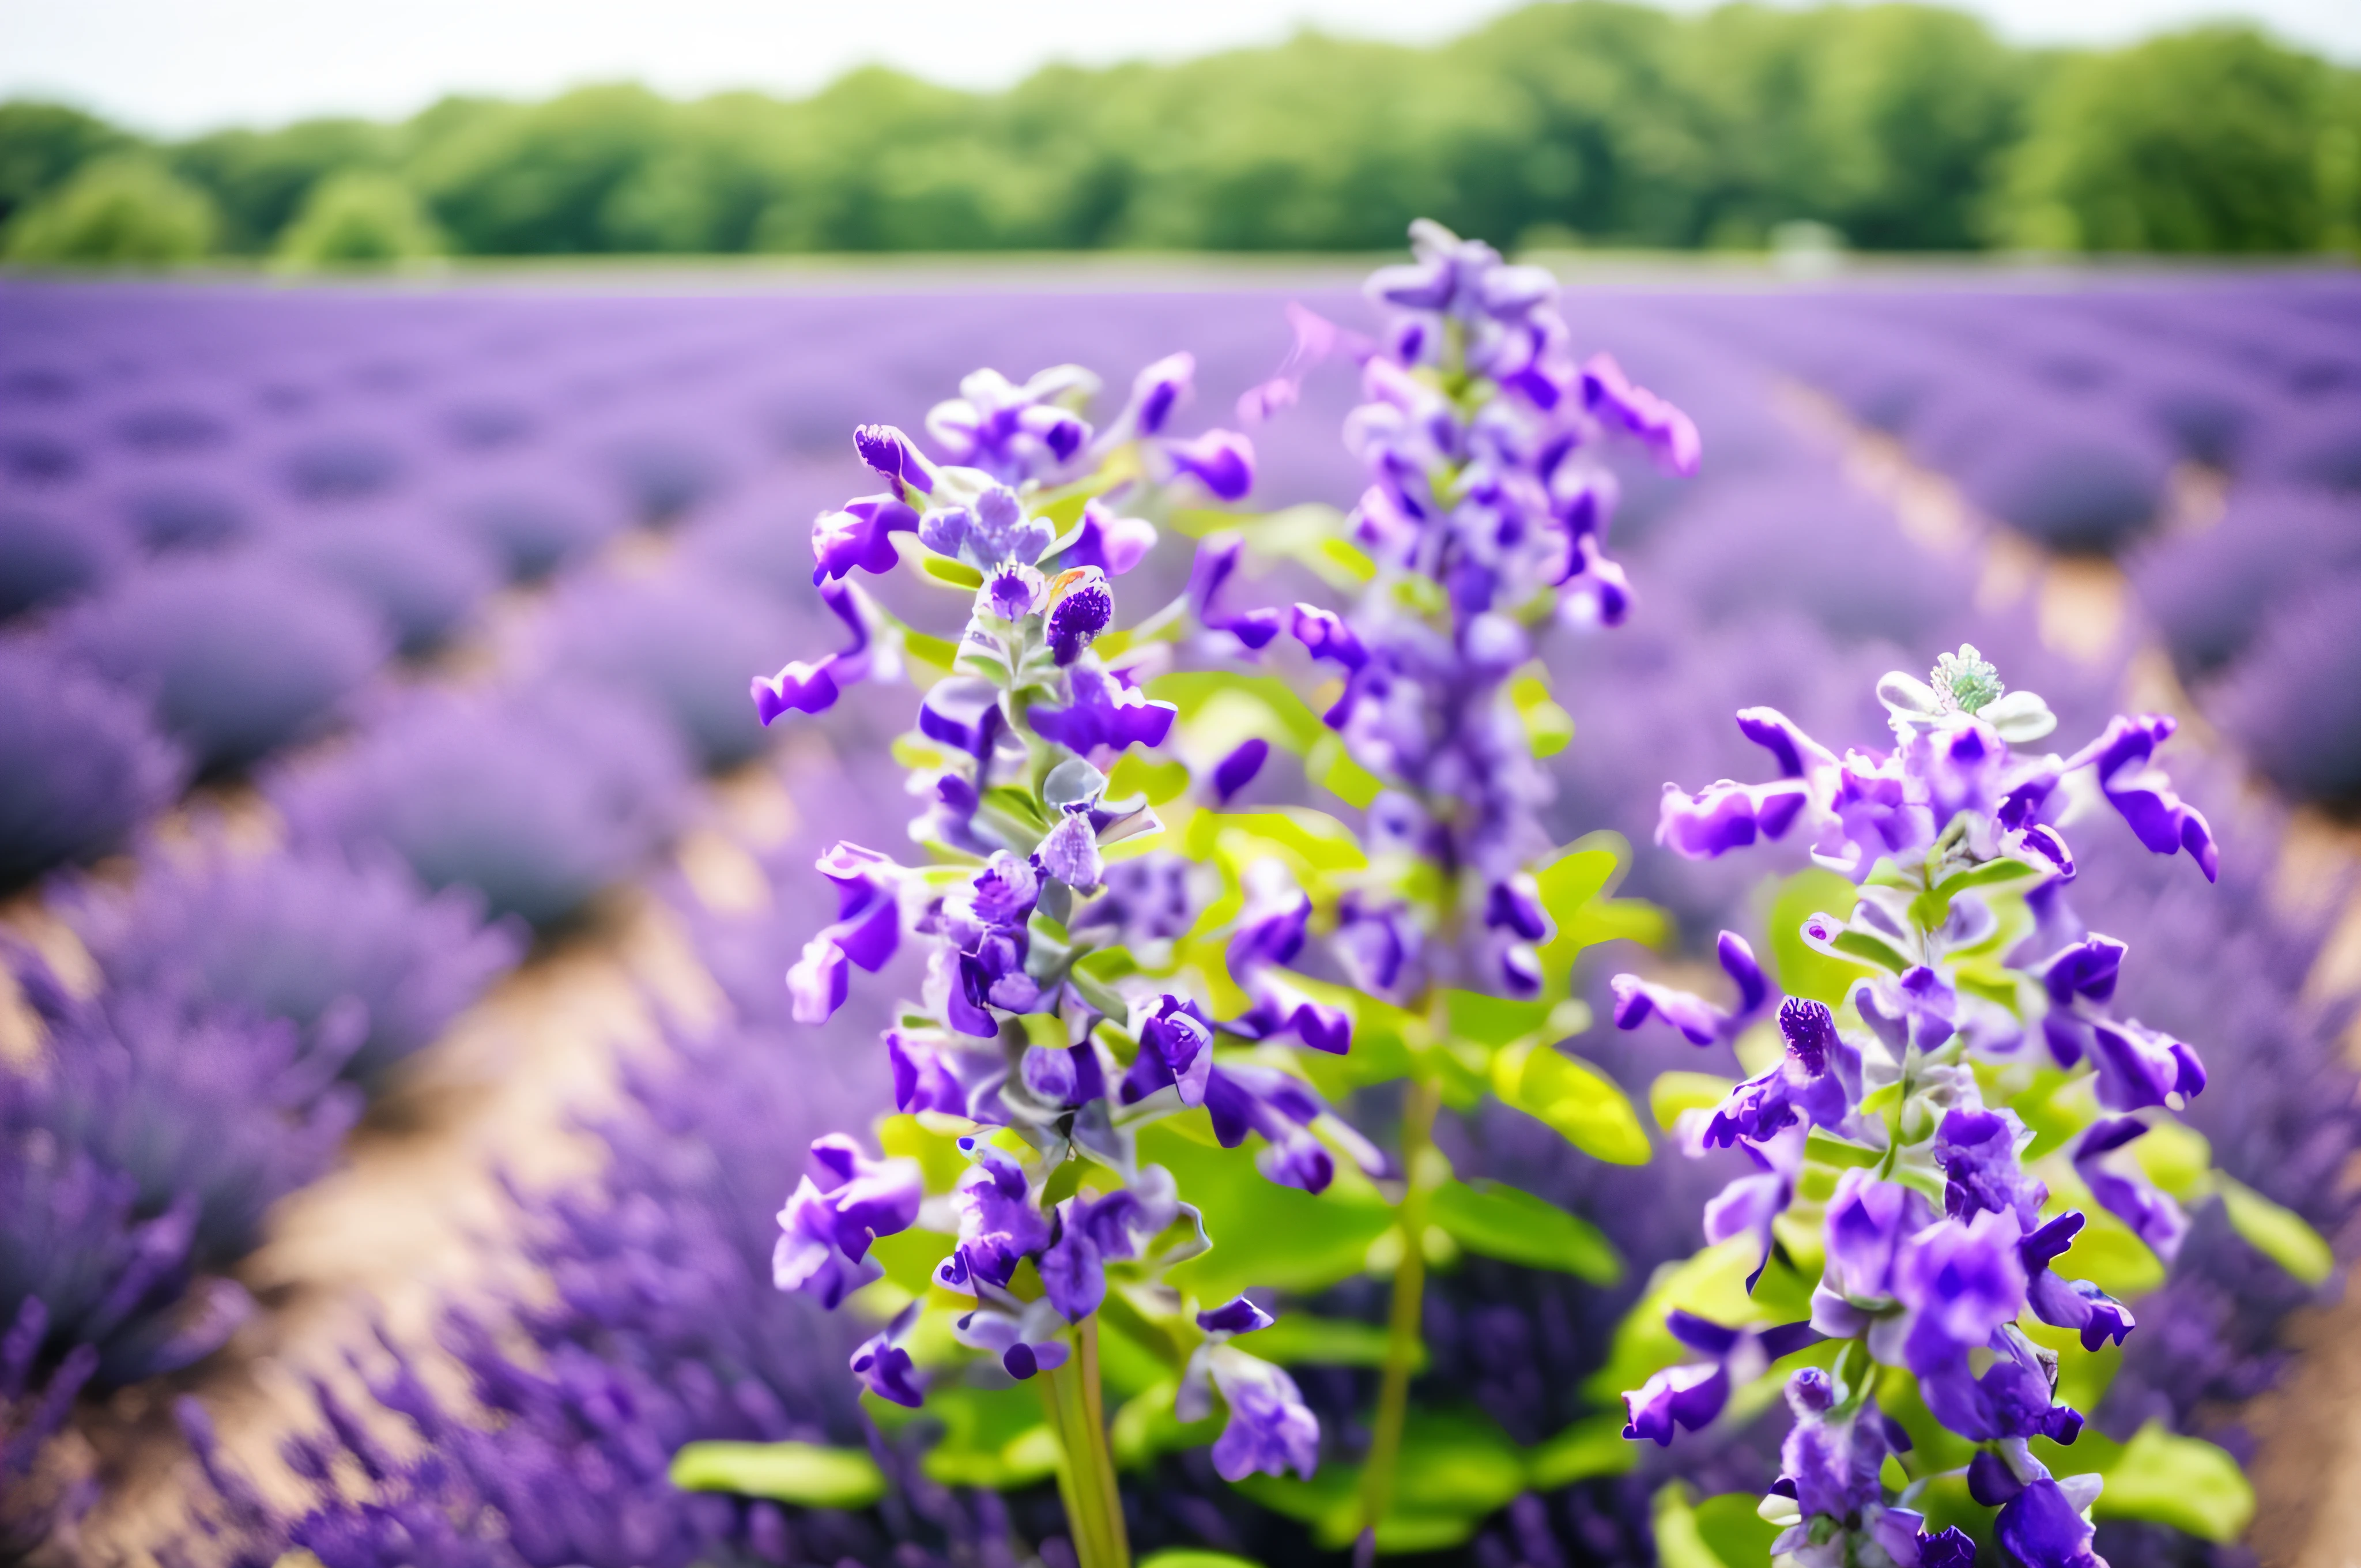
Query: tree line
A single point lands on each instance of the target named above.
(1594, 122)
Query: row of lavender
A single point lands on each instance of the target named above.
(2065, 414)
(1735, 601)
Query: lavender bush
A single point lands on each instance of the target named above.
(536, 799)
(349, 948)
(80, 764)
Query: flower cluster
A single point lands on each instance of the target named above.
(1484, 440)
(1935, 1143)
(1039, 1049)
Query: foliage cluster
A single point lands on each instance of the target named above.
(1902, 126)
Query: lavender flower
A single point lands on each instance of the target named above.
(537, 798)
(349, 949)
(239, 657)
(80, 764)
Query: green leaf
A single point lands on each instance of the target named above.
(1574, 879)
(1733, 1530)
(1593, 1446)
(1330, 766)
(1492, 1020)
(802, 1473)
(1145, 1427)
(958, 574)
(1802, 970)
(1134, 774)
(2183, 1481)
(1193, 692)
(1680, 1540)
(1548, 727)
(909, 1256)
(1094, 975)
(1299, 1338)
(2279, 1234)
(937, 654)
(1584, 1107)
(1195, 1557)
(998, 1438)
(1456, 1462)
(1516, 1227)
(1317, 838)
(1673, 1092)
(1263, 1233)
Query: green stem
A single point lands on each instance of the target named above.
(1085, 1470)
(1419, 1107)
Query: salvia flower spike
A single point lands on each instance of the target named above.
(1487, 446)
(1928, 1142)
(1039, 1049)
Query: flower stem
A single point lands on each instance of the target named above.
(1086, 1469)
(1419, 1107)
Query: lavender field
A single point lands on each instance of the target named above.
(397, 1082)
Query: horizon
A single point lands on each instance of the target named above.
(264, 63)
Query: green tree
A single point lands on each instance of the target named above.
(259, 180)
(125, 209)
(41, 144)
(2206, 141)
(358, 218)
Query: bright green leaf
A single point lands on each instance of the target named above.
(1581, 1103)
(1263, 1233)
(1802, 970)
(1330, 766)
(1548, 727)
(1134, 774)
(2183, 1481)
(1299, 1338)
(1516, 1227)
(1673, 1092)
(958, 574)
(1593, 1446)
(801, 1472)
(1195, 1557)
(2279, 1234)
(1680, 1543)
(1732, 1529)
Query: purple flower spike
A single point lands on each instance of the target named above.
(1238, 770)
(1325, 633)
(1727, 816)
(2140, 1067)
(1636, 1001)
(883, 1365)
(1237, 1317)
(1218, 558)
(893, 457)
(1514, 903)
(1157, 391)
(2153, 1216)
(1677, 1399)
(860, 535)
(1070, 852)
(1738, 962)
(2041, 1527)
(1270, 1429)
(1666, 430)
(1951, 1547)
(1221, 460)
(819, 981)
(1176, 1049)
(1105, 712)
(2121, 757)
(1081, 608)
(963, 713)
(1072, 1271)
(1114, 544)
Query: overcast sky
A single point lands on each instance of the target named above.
(176, 66)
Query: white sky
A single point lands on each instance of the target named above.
(176, 66)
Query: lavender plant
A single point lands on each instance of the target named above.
(1452, 916)
(1961, 1158)
(1064, 1230)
